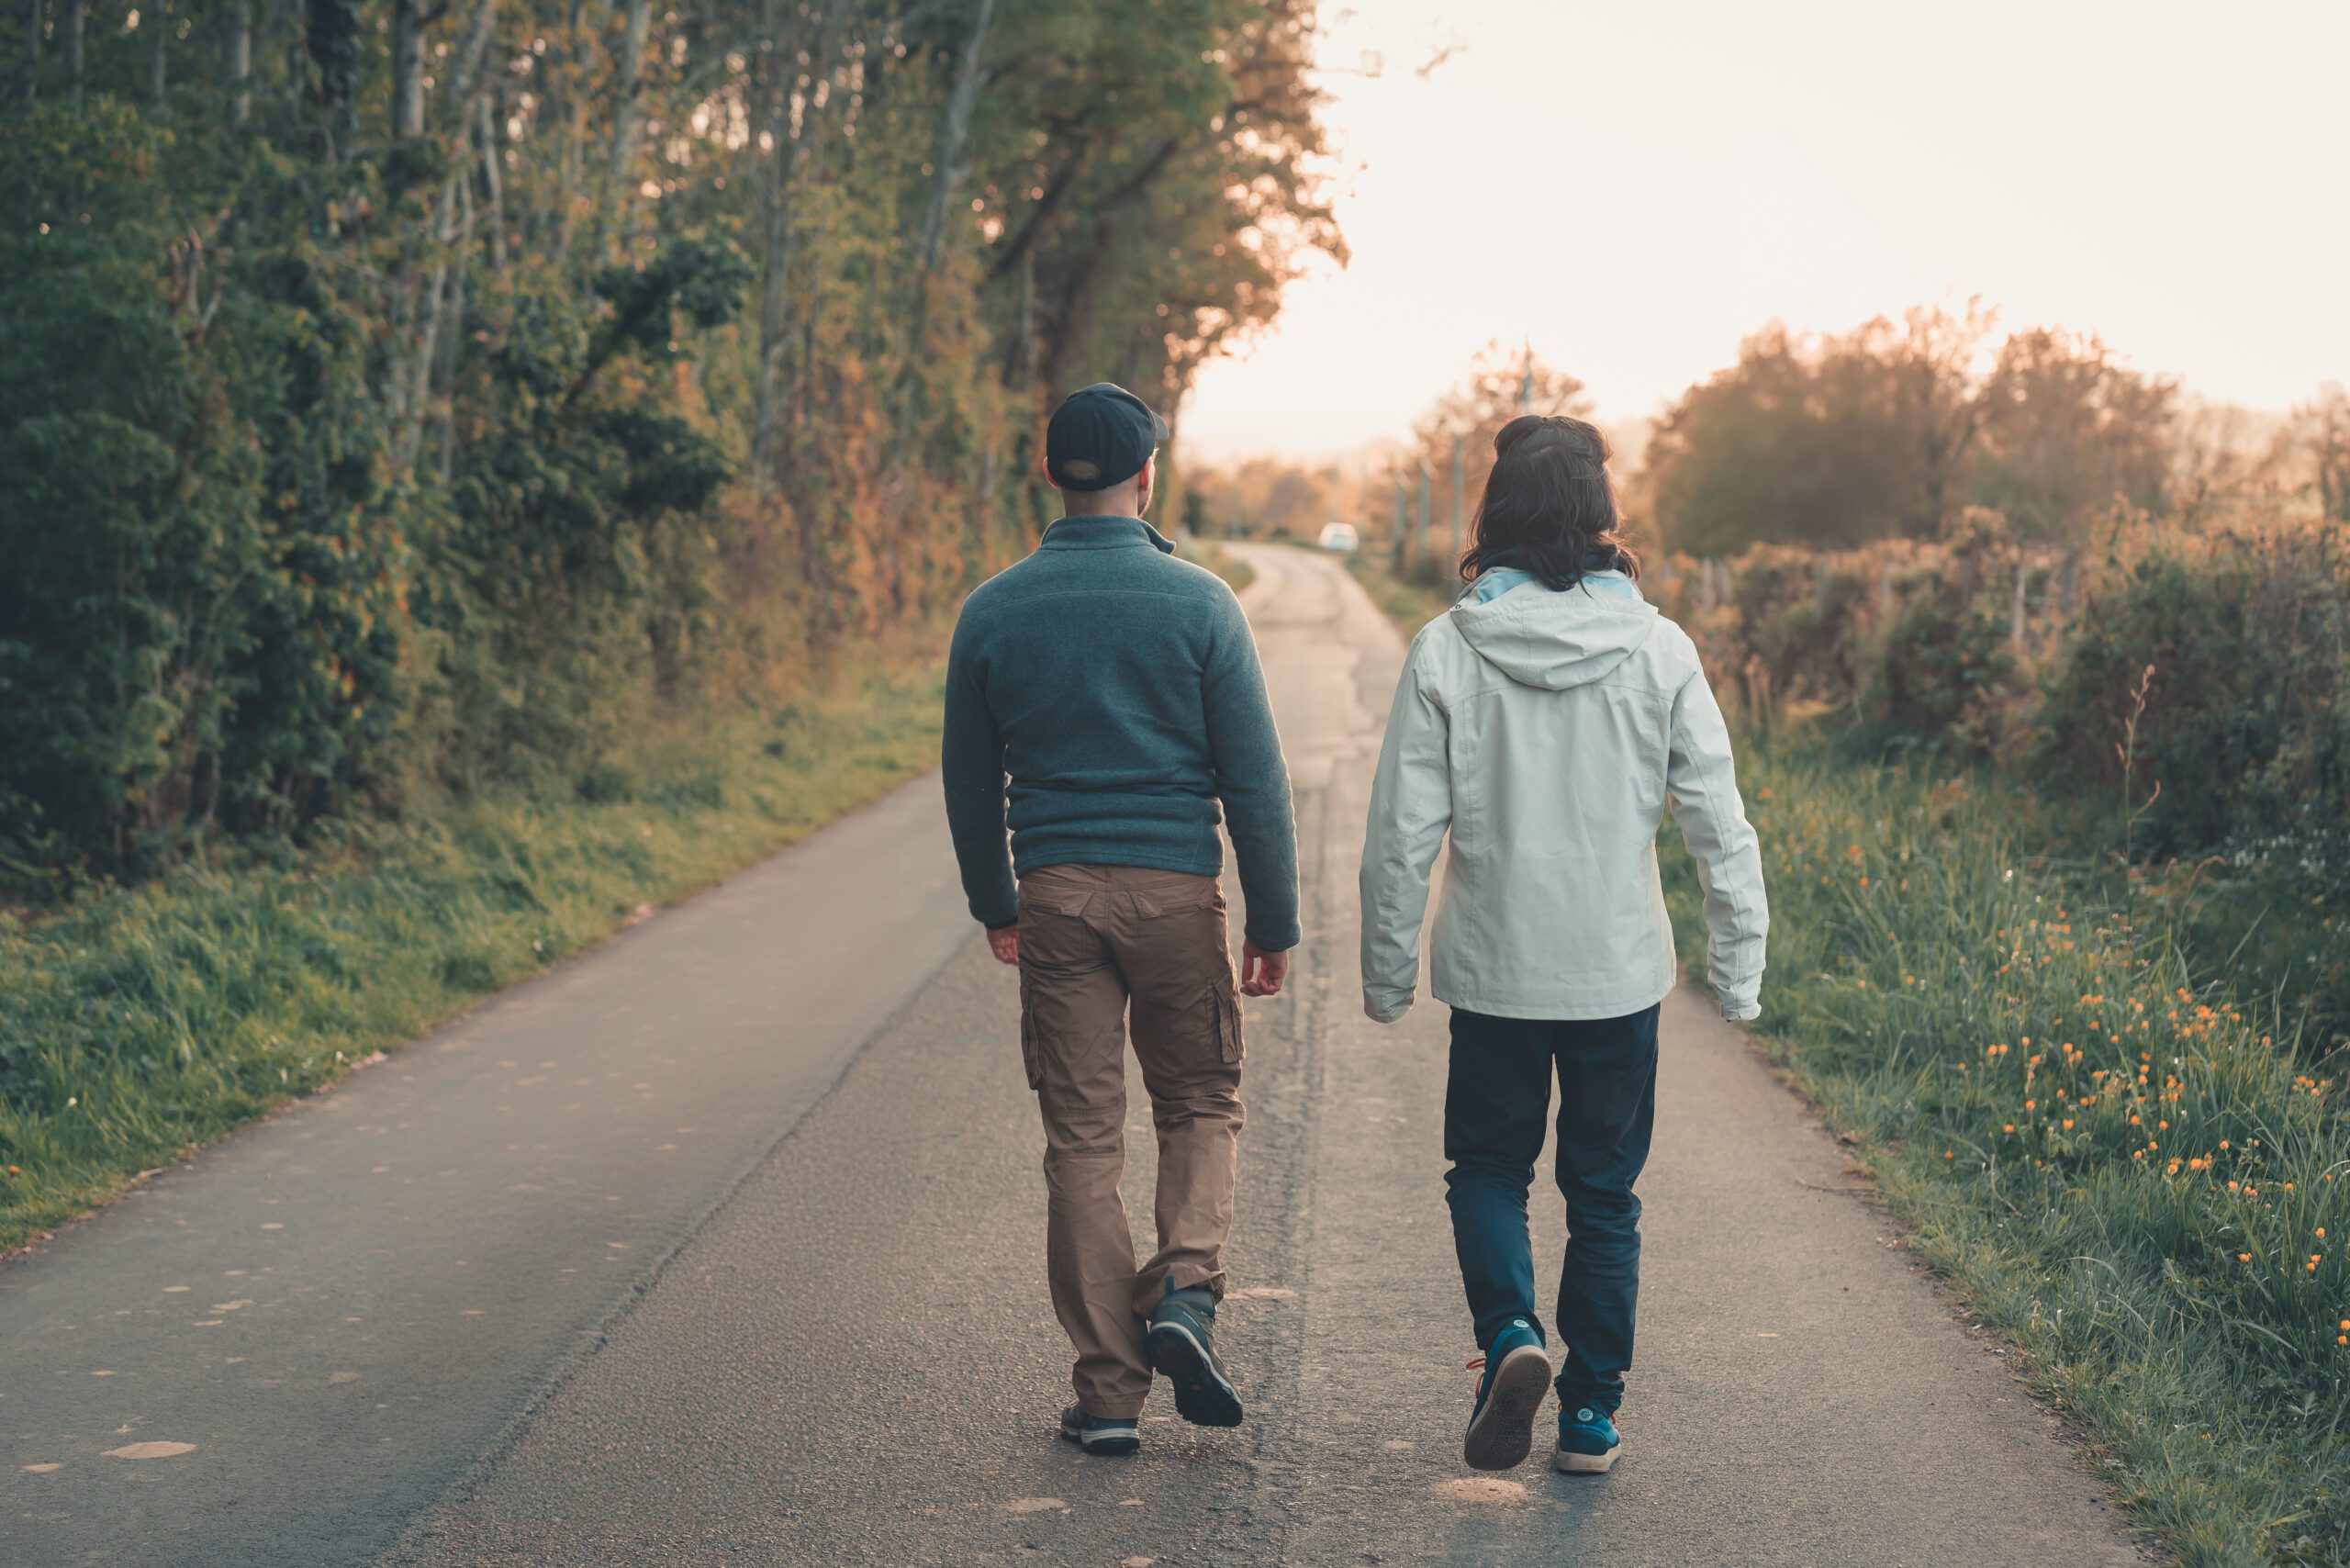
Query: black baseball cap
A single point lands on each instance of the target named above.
(1099, 436)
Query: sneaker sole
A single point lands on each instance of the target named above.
(1501, 1433)
(1202, 1395)
(1101, 1445)
(1573, 1464)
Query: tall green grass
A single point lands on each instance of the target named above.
(139, 1022)
(2126, 1166)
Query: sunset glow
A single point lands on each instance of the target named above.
(1637, 188)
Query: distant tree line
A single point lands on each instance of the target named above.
(411, 394)
(1894, 431)
(1894, 428)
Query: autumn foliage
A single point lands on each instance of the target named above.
(398, 399)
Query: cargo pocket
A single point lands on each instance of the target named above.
(1227, 1024)
(1031, 1063)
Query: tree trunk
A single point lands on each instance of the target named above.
(625, 118)
(493, 182)
(331, 37)
(959, 107)
(946, 175)
(155, 57)
(452, 341)
(241, 60)
(1020, 364)
(408, 69)
(449, 227)
(281, 27)
(32, 51)
(1028, 324)
(569, 162)
(795, 149)
(470, 56)
(77, 17)
(1076, 323)
(1014, 253)
(816, 127)
(1075, 327)
(773, 105)
(411, 404)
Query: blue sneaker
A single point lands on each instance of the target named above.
(1510, 1395)
(1180, 1344)
(1588, 1441)
(1100, 1434)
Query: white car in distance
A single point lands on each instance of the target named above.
(1339, 538)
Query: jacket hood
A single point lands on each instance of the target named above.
(1555, 641)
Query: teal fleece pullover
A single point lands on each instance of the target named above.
(1119, 689)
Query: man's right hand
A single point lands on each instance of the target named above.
(1005, 942)
(1261, 973)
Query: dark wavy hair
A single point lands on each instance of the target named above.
(1549, 505)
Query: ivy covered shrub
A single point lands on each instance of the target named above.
(205, 611)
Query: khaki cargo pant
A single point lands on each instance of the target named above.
(1095, 940)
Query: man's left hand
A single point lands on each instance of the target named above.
(1261, 973)
(1005, 942)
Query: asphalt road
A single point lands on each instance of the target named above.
(724, 1244)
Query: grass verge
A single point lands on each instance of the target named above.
(2121, 1164)
(1411, 599)
(1236, 572)
(2093, 1105)
(140, 1022)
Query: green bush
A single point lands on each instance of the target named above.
(198, 623)
(2245, 721)
(221, 613)
(2245, 725)
(1943, 667)
(1801, 621)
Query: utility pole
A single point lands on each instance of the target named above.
(1526, 377)
(1460, 522)
(1424, 511)
(1403, 544)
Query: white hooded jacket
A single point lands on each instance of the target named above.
(1544, 733)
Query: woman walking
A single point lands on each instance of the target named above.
(1542, 725)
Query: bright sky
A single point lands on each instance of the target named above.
(1639, 186)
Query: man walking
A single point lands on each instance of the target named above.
(1118, 689)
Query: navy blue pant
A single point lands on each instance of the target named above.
(1496, 1098)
